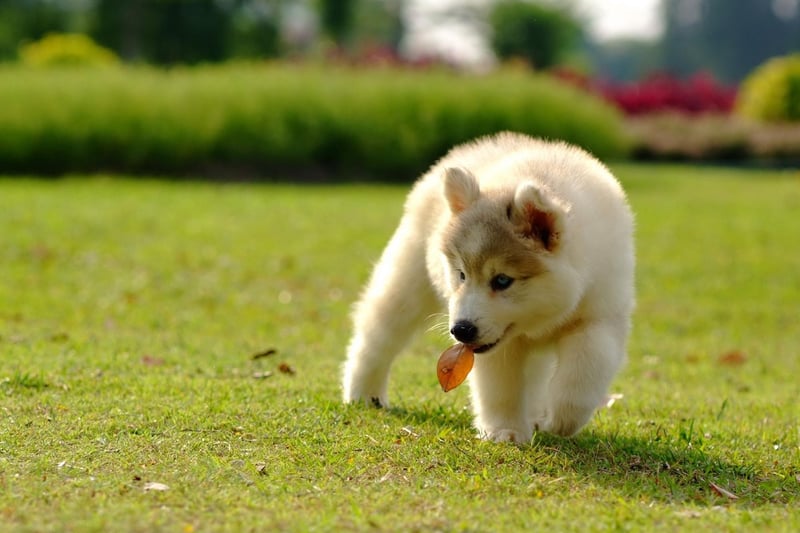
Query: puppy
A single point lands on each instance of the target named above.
(529, 246)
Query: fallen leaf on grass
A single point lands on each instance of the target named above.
(732, 358)
(262, 375)
(406, 432)
(286, 369)
(723, 492)
(611, 399)
(149, 360)
(265, 353)
(42, 252)
(155, 486)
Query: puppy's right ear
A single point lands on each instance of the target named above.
(537, 216)
(460, 188)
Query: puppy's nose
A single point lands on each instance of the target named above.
(464, 331)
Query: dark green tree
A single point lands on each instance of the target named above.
(255, 28)
(337, 18)
(29, 20)
(121, 25)
(189, 31)
(163, 31)
(540, 34)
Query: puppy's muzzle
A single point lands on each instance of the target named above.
(467, 333)
(464, 331)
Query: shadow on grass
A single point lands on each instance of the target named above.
(652, 467)
(439, 415)
(668, 471)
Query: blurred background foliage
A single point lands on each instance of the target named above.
(719, 80)
(772, 92)
(726, 38)
(66, 49)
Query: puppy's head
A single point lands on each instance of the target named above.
(502, 261)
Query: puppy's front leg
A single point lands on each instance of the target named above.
(395, 303)
(587, 360)
(498, 397)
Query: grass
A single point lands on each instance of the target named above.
(130, 311)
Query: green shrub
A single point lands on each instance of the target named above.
(58, 49)
(377, 124)
(772, 92)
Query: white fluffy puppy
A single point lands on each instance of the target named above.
(529, 244)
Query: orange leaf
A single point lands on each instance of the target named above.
(454, 365)
(732, 358)
(149, 360)
(285, 368)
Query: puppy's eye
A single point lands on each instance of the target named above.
(501, 282)
(462, 276)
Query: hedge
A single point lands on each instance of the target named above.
(279, 118)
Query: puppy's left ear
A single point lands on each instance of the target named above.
(460, 188)
(536, 216)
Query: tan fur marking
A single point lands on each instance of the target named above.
(497, 244)
(570, 326)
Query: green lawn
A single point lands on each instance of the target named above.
(130, 311)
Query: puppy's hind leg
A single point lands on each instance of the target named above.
(397, 300)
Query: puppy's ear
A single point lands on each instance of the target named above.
(536, 216)
(460, 188)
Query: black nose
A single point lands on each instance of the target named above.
(464, 331)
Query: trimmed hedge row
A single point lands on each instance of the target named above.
(278, 118)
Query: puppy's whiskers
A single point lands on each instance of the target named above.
(441, 324)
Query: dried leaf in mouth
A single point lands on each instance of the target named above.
(454, 365)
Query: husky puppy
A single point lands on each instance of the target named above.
(529, 245)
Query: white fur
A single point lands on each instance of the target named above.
(561, 327)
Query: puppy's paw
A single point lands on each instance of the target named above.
(562, 427)
(378, 401)
(369, 391)
(514, 436)
(566, 421)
